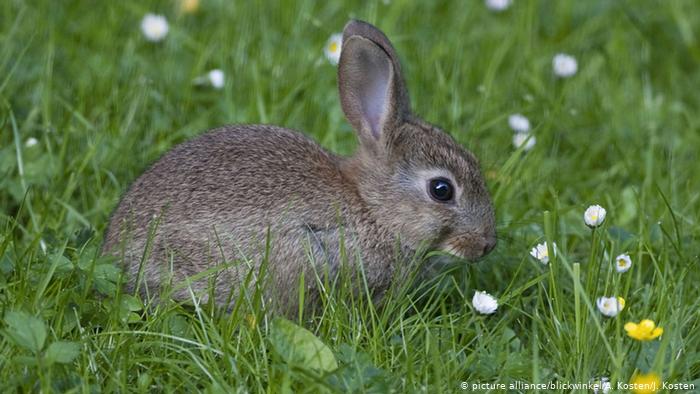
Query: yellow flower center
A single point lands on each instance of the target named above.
(621, 301)
(333, 47)
(621, 263)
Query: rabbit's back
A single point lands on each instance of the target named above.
(217, 197)
(243, 166)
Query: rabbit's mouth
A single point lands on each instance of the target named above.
(452, 251)
(471, 248)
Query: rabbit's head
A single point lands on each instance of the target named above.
(417, 180)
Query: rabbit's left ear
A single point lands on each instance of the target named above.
(372, 90)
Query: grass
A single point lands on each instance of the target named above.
(103, 103)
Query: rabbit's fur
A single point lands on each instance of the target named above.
(219, 198)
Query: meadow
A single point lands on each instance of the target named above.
(87, 102)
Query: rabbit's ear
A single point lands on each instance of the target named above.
(372, 91)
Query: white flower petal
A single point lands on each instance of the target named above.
(602, 386)
(154, 27)
(333, 48)
(609, 306)
(527, 139)
(519, 123)
(484, 303)
(541, 252)
(217, 78)
(498, 5)
(594, 216)
(564, 65)
(623, 263)
(30, 142)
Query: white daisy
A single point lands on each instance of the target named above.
(484, 303)
(564, 65)
(541, 253)
(523, 138)
(333, 47)
(216, 78)
(610, 306)
(623, 263)
(602, 386)
(30, 142)
(154, 27)
(519, 123)
(498, 5)
(594, 216)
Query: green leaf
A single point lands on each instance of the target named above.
(297, 345)
(647, 355)
(107, 272)
(106, 277)
(129, 304)
(6, 265)
(63, 264)
(25, 330)
(62, 352)
(358, 374)
(143, 382)
(28, 361)
(178, 326)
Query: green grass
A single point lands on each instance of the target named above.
(103, 103)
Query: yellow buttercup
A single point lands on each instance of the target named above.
(646, 330)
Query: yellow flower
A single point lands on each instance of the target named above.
(645, 383)
(621, 301)
(188, 6)
(251, 320)
(646, 330)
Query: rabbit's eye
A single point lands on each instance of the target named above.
(440, 189)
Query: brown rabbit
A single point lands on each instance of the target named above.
(210, 205)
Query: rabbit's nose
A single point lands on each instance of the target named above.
(489, 244)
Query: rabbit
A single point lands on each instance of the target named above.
(214, 208)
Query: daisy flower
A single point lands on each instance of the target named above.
(610, 306)
(527, 139)
(498, 5)
(646, 330)
(484, 303)
(333, 47)
(541, 253)
(564, 65)
(623, 263)
(188, 6)
(519, 123)
(154, 27)
(645, 383)
(602, 386)
(30, 142)
(216, 78)
(594, 216)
